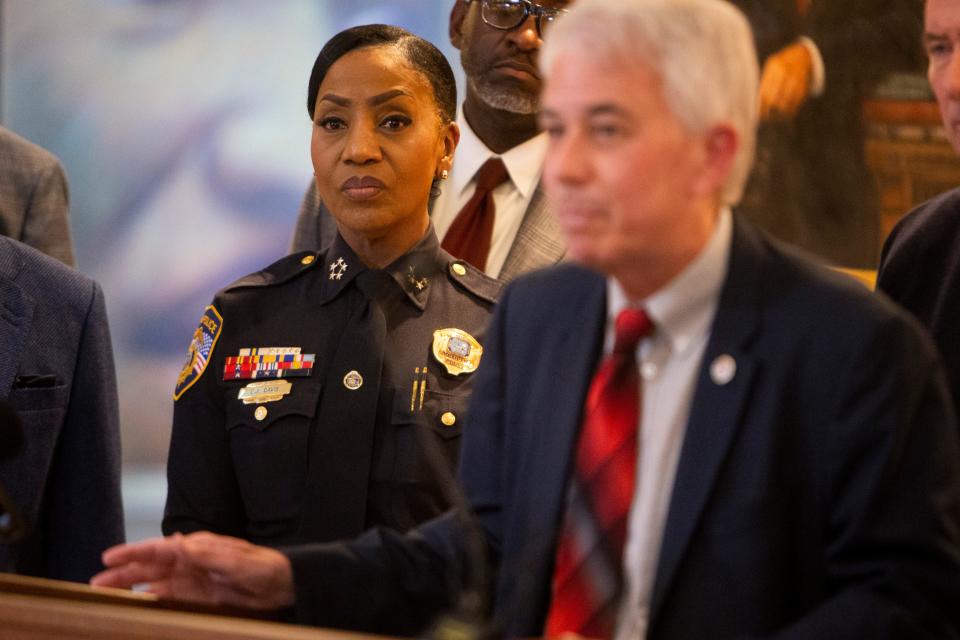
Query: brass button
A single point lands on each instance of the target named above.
(459, 269)
(260, 413)
(448, 419)
(307, 259)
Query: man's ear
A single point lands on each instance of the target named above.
(720, 144)
(457, 15)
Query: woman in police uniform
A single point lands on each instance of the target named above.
(309, 386)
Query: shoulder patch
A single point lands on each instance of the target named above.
(473, 280)
(201, 346)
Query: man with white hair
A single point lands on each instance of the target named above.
(691, 432)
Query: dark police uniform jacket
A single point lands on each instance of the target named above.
(339, 450)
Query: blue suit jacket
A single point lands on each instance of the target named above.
(817, 493)
(57, 373)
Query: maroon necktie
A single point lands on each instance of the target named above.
(469, 236)
(587, 579)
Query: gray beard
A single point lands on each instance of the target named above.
(510, 100)
(519, 102)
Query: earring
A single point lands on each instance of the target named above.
(444, 174)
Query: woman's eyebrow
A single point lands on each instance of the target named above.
(380, 98)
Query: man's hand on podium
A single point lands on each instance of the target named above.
(202, 567)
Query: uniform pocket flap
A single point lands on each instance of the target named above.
(445, 413)
(302, 400)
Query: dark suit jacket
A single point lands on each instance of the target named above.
(817, 493)
(814, 166)
(57, 373)
(538, 242)
(34, 205)
(920, 269)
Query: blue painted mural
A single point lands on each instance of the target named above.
(182, 125)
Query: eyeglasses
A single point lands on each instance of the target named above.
(510, 14)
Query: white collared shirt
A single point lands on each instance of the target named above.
(524, 164)
(669, 360)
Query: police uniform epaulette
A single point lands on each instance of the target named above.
(281, 271)
(468, 277)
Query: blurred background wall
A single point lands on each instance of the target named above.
(183, 129)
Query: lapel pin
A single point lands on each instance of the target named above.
(353, 380)
(723, 369)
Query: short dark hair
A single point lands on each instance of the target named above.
(420, 54)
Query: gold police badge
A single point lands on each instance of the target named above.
(456, 350)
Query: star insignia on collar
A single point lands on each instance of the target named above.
(337, 268)
(417, 283)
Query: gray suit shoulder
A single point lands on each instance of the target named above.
(470, 279)
(37, 273)
(283, 270)
(34, 197)
(19, 152)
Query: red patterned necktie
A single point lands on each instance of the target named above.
(469, 235)
(587, 579)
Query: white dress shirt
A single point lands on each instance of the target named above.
(669, 360)
(524, 165)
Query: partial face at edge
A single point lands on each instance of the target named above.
(500, 66)
(942, 43)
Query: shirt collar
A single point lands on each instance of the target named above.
(684, 308)
(524, 162)
(414, 272)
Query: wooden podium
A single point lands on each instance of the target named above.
(38, 609)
